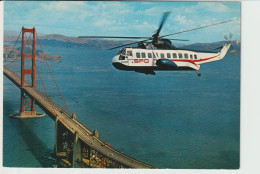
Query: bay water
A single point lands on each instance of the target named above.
(170, 120)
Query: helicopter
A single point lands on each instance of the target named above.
(157, 53)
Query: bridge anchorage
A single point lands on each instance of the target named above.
(75, 145)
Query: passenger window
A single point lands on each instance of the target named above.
(143, 55)
(162, 55)
(138, 55)
(129, 53)
(195, 56)
(149, 55)
(180, 55)
(191, 56)
(168, 55)
(186, 56)
(174, 55)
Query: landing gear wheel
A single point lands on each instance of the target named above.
(199, 74)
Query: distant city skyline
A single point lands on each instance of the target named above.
(119, 18)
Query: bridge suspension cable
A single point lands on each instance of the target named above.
(14, 46)
(53, 75)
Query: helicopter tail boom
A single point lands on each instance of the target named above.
(220, 55)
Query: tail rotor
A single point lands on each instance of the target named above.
(225, 36)
(230, 35)
(229, 40)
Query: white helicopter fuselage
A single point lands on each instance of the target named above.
(149, 60)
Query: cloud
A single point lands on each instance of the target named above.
(213, 6)
(154, 11)
(116, 18)
(181, 19)
(63, 6)
(145, 26)
(104, 22)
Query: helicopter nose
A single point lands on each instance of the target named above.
(115, 59)
(116, 63)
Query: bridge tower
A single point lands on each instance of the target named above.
(27, 104)
(27, 108)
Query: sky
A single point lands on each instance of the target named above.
(120, 18)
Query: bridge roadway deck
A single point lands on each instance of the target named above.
(73, 125)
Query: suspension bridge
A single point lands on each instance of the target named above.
(75, 144)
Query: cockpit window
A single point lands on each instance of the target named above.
(121, 57)
(119, 52)
(122, 52)
(138, 55)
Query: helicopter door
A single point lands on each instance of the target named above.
(150, 57)
(129, 55)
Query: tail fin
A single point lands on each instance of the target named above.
(224, 50)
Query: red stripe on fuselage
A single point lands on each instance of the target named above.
(190, 61)
(193, 61)
(205, 59)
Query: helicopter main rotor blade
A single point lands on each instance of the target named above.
(164, 17)
(179, 39)
(128, 44)
(116, 37)
(230, 35)
(197, 28)
(123, 37)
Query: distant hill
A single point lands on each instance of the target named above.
(235, 48)
(58, 40)
(65, 41)
(10, 33)
(11, 53)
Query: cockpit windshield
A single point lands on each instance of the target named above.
(121, 51)
(121, 54)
